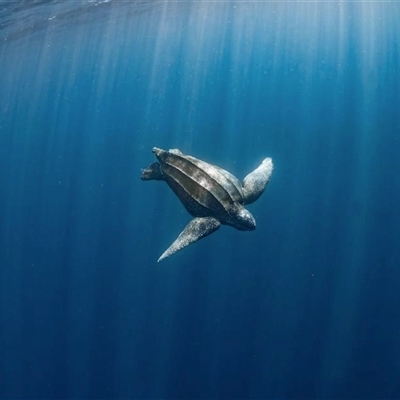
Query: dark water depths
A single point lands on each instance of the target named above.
(306, 306)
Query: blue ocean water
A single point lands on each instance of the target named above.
(306, 306)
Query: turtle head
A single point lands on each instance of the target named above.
(244, 221)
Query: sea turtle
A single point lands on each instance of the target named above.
(211, 195)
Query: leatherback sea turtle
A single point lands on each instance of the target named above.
(211, 195)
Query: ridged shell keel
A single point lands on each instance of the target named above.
(197, 185)
(197, 200)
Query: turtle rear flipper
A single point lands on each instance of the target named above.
(152, 172)
(196, 229)
(254, 183)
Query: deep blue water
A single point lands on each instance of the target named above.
(306, 306)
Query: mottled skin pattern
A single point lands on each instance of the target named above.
(211, 195)
(196, 229)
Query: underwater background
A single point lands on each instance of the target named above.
(306, 306)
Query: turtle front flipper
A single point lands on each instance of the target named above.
(254, 183)
(196, 229)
